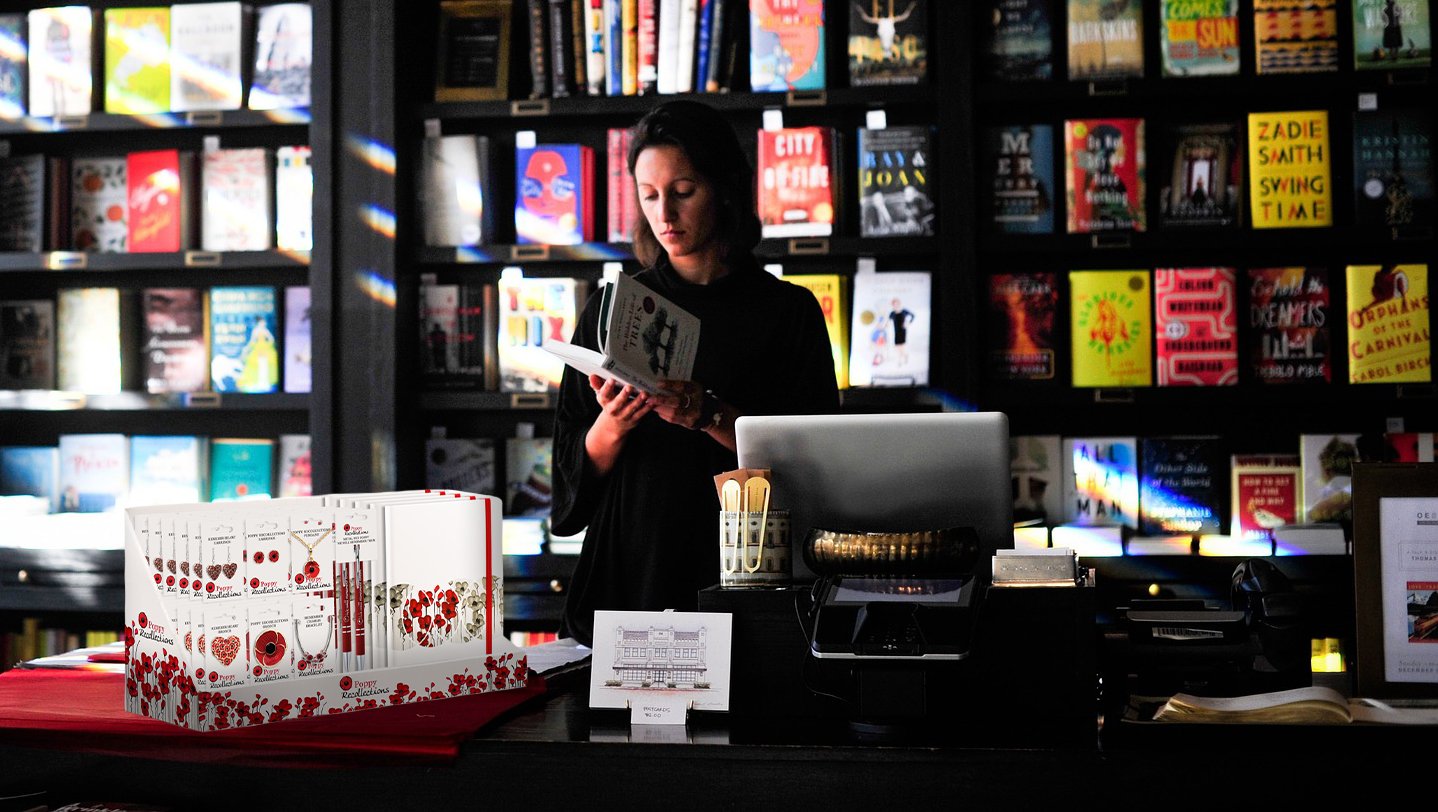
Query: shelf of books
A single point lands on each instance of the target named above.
(1204, 239)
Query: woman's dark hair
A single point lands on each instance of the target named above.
(708, 140)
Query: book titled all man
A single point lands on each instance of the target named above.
(236, 214)
(96, 335)
(1289, 325)
(456, 199)
(643, 338)
(896, 182)
(27, 344)
(1101, 481)
(1391, 35)
(832, 291)
(1181, 485)
(796, 181)
(206, 56)
(1199, 37)
(241, 468)
(888, 42)
(137, 60)
(890, 328)
(1295, 36)
(554, 194)
(244, 354)
(1105, 39)
(99, 205)
(1388, 324)
(94, 471)
(1290, 170)
(1265, 494)
(1023, 312)
(1195, 314)
(62, 61)
(786, 45)
(283, 56)
(174, 340)
(1111, 320)
(1021, 198)
(1019, 43)
(1202, 183)
(1104, 174)
(1393, 171)
(159, 184)
(532, 313)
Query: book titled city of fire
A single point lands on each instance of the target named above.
(796, 189)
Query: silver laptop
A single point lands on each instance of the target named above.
(886, 472)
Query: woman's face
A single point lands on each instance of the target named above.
(678, 203)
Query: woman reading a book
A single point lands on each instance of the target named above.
(637, 469)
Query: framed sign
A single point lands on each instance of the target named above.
(1395, 562)
(473, 51)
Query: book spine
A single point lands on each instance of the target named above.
(684, 57)
(614, 47)
(648, 45)
(538, 67)
(578, 13)
(614, 198)
(561, 57)
(629, 23)
(717, 33)
(596, 46)
(669, 46)
(701, 44)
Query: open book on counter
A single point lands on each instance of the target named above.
(1316, 705)
(643, 338)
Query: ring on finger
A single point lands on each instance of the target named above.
(685, 404)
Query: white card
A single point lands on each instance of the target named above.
(658, 659)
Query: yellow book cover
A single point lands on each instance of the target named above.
(1388, 338)
(832, 291)
(137, 60)
(1290, 170)
(1112, 318)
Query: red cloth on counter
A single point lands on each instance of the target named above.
(85, 711)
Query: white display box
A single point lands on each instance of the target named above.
(165, 680)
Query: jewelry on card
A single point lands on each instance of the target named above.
(228, 568)
(259, 556)
(311, 568)
(270, 648)
(316, 659)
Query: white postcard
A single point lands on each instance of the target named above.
(663, 659)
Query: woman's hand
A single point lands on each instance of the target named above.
(680, 403)
(621, 408)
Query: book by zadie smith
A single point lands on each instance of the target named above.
(1290, 170)
(1388, 324)
(1111, 321)
(1195, 314)
(1104, 174)
(796, 182)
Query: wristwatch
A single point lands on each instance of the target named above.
(711, 413)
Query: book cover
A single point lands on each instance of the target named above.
(95, 337)
(1023, 318)
(159, 213)
(137, 60)
(299, 356)
(27, 344)
(1199, 37)
(832, 291)
(166, 470)
(33, 471)
(1326, 461)
(622, 205)
(888, 42)
(796, 181)
(1391, 35)
(175, 349)
(1104, 174)
(897, 186)
(669, 20)
(1289, 170)
(1393, 171)
(596, 32)
(62, 72)
(241, 468)
(1021, 199)
(528, 488)
(439, 329)
(1101, 481)
(786, 45)
(206, 56)
(533, 312)
(294, 199)
(1265, 494)
(456, 200)
(294, 474)
(94, 471)
(1036, 463)
(1105, 39)
(1181, 485)
(1019, 44)
(460, 464)
(22, 203)
(1388, 324)
(890, 329)
(283, 54)
(1195, 324)
(99, 205)
(244, 356)
(1111, 318)
(554, 203)
(643, 338)
(236, 199)
(1288, 325)
(1295, 36)
(1204, 181)
(12, 66)
(473, 53)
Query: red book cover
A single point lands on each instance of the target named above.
(648, 46)
(620, 191)
(796, 188)
(1195, 320)
(1288, 333)
(1023, 310)
(1265, 496)
(156, 204)
(1104, 160)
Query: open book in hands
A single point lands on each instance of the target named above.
(643, 338)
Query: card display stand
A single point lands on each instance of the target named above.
(164, 679)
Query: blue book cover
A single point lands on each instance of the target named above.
(33, 470)
(12, 66)
(94, 471)
(244, 353)
(166, 470)
(241, 469)
(701, 43)
(786, 45)
(1021, 199)
(554, 201)
(614, 48)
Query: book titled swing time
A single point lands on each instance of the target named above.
(643, 338)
